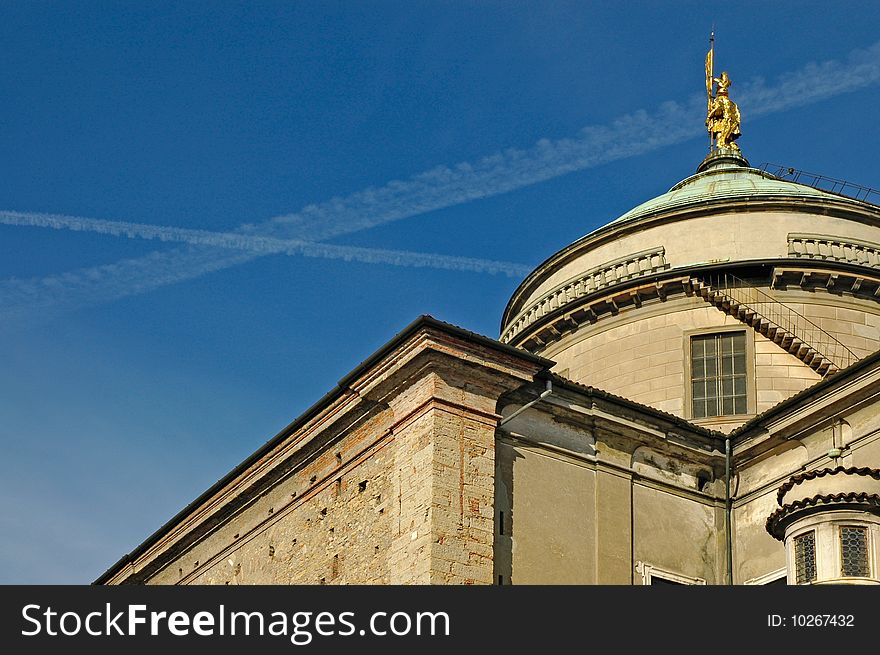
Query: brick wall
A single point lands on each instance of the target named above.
(392, 483)
(330, 522)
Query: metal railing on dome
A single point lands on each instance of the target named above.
(823, 182)
(783, 317)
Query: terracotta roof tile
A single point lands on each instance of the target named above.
(818, 473)
(852, 497)
(636, 405)
(865, 362)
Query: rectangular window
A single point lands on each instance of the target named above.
(651, 575)
(718, 374)
(657, 580)
(854, 551)
(805, 557)
(778, 576)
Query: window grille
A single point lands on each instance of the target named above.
(805, 557)
(854, 551)
(718, 374)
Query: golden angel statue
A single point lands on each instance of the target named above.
(723, 119)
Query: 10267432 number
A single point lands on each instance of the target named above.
(822, 620)
(811, 621)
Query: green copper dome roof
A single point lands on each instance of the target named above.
(730, 179)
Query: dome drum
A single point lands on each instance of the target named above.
(621, 307)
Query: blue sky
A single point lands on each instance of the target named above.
(134, 376)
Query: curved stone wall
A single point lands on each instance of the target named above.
(724, 237)
(642, 353)
(616, 309)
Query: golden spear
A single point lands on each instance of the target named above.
(710, 61)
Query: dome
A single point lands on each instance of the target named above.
(729, 181)
(618, 308)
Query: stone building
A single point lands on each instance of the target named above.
(687, 395)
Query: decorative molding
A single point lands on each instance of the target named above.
(596, 279)
(767, 578)
(840, 249)
(825, 205)
(858, 283)
(649, 571)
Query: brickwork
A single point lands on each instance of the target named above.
(463, 495)
(393, 483)
(330, 522)
(409, 554)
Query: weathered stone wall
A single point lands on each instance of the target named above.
(401, 501)
(755, 552)
(865, 450)
(641, 354)
(580, 504)
(392, 482)
(678, 533)
(547, 503)
(446, 462)
(333, 521)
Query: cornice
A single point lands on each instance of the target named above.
(842, 207)
(783, 516)
(820, 473)
(323, 422)
(568, 310)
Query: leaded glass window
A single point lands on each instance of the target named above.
(854, 551)
(805, 557)
(718, 374)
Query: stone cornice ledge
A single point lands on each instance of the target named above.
(326, 419)
(808, 409)
(843, 207)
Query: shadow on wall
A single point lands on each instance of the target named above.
(503, 542)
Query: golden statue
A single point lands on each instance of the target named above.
(723, 119)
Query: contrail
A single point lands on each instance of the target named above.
(629, 135)
(23, 299)
(262, 245)
(506, 170)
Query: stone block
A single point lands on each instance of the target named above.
(770, 398)
(785, 359)
(651, 397)
(790, 384)
(851, 315)
(666, 357)
(652, 372)
(675, 381)
(803, 373)
(774, 371)
(836, 327)
(636, 388)
(813, 311)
